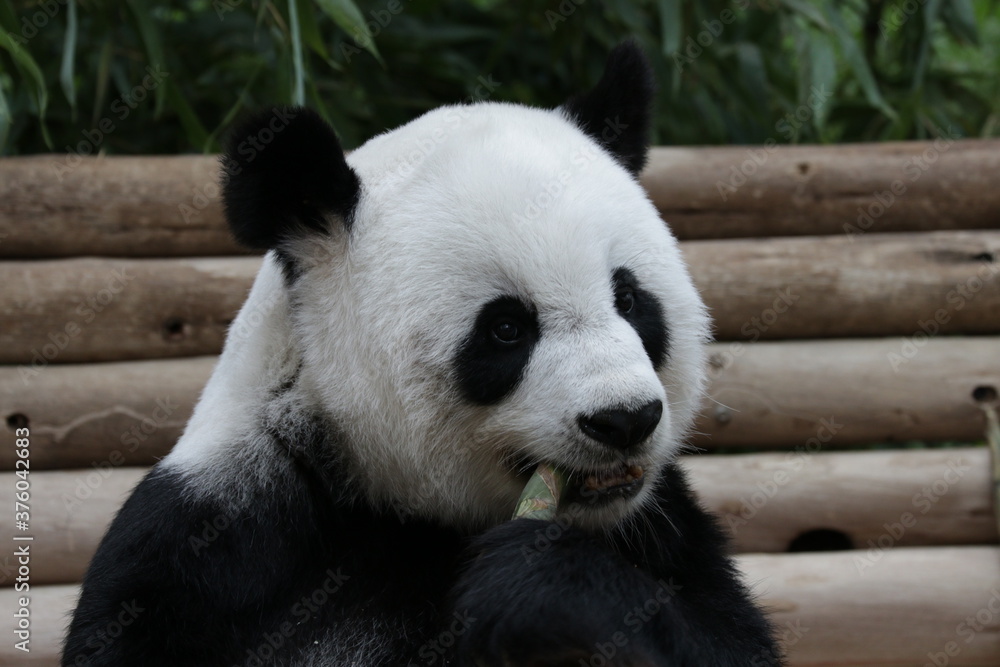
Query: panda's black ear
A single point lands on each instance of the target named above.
(284, 174)
(617, 112)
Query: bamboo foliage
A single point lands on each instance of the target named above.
(77, 75)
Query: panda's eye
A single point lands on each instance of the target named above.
(506, 331)
(624, 299)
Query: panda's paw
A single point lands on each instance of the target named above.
(535, 595)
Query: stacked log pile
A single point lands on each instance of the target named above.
(856, 298)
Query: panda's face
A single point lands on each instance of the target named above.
(504, 294)
(494, 308)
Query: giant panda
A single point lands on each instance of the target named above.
(481, 290)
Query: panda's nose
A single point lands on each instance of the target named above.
(622, 429)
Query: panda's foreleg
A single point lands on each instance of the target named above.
(544, 597)
(680, 546)
(659, 590)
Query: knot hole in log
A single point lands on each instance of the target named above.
(821, 539)
(174, 329)
(985, 256)
(16, 421)
(984, 394)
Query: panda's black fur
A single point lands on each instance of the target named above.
(287, 559)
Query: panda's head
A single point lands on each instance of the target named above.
(482, 289)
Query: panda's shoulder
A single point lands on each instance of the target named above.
(170, 531)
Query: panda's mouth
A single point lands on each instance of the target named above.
(593, 487)
(597, 488)
(606, 481)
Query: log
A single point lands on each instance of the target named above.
(911, 607)
(70, 512)
(771, 190)
(149, 206)
(791, 394)
(58, 206)
(831, 393)
(85, 415)
(864, 500)
(833, 286)
(912, 604)
(767, 502)
(117, 309)
(80, 310)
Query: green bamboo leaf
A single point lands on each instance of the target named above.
(196, 133)
(6, 120)
(959, 18)
(35, 80)
(671, 25)
(69, 56)
(809, 12)
(310, 29)
(822, 77)
(4, 131)
(4, 106)
(856, 61)
(752, 70)
(262, 11)
(103, 78)
(241, 101)
(348, 17)
(154, 46)
(930, 14)
(299, 75)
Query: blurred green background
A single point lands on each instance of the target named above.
(141, 77)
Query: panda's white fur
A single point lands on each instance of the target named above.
(483, 289)
(462, 205)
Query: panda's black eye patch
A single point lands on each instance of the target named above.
(643, 311)
(491, 360)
